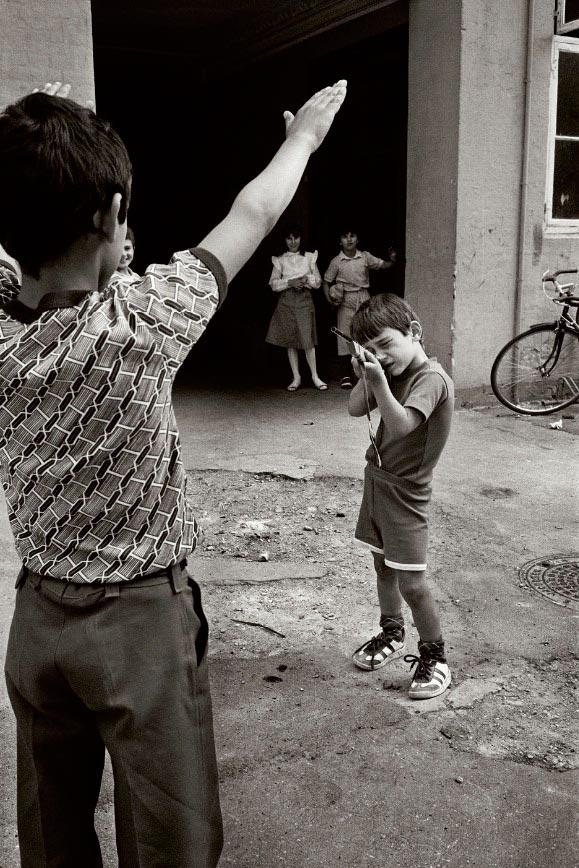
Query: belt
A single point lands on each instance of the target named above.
(176, 574)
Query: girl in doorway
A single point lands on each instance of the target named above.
(293, 324)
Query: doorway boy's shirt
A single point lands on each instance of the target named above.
(128, 276)
(90, 458)
(351, 273)
(428, 389)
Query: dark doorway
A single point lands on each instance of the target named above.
(194, 142)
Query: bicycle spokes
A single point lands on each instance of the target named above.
(538, 372)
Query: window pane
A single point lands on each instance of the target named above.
(571, 10)
(568, 94)
(566, 181)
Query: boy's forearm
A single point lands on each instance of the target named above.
(357, 400)
(396, 418)
(267, 196)
(258, 206)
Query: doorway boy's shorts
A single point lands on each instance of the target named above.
(393, 519)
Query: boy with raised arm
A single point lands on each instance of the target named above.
(415, 398)
(107, 646)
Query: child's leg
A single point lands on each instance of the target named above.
(389, 644)
(432, 674)
(292, 355)
(389, 595)
(311, 360)
(418, 595)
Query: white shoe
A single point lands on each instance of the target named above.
(431, 678)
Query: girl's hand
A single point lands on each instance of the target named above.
(297, 282)
(315, 117)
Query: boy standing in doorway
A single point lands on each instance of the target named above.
(124, 271)
(107, 646)
(346, 284)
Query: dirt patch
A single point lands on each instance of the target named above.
(519, 709)
(247, 516)
(532, 720)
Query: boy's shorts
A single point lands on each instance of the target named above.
(393, 519)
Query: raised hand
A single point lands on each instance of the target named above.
(61, 90)
(56, 89)
(315, 117)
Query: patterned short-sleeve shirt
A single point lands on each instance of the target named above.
(90, 458)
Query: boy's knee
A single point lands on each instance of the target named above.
(414, 590)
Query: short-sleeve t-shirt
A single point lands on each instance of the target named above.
(351, 273)
(428, 389)
(90, 458)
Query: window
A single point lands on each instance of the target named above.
(562, 206)
(567, 16)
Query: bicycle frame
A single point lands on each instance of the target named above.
(565, 324)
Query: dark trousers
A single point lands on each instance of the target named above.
(122, 667)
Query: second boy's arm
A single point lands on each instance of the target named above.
(259, 205)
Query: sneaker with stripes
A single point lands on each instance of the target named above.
(381, 649)
(432, 674)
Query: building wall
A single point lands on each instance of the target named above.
(41, 42)
(543, 249)
(433, 126)
(492, 100)
(472, 88)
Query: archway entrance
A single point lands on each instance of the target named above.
(195, 139)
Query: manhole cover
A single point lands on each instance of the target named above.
(555, 577)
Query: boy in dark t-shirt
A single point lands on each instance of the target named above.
(415, 398)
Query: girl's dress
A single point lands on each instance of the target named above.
(293, 324)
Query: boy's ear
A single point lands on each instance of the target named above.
(106, 220)
(416, 330)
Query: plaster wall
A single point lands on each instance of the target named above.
(467, 87)
(492, 98)
(433, 124)
(41, 42)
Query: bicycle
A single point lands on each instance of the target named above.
(537, 372)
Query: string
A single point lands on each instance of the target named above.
(368, 416)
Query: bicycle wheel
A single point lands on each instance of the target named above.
(537, 373)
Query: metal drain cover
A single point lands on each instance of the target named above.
(555, 577)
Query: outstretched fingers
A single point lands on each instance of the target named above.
(54, 89)
(333, 93)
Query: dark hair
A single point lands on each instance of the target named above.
(347, 228)
(59, 164)
(130, 235)
(379, 312)
(296, 230)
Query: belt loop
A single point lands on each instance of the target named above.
(21, 577)
(176, 573)
(112, 589)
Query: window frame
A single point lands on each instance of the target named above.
(557, 225)
(563, 26)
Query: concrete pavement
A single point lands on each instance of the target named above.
(322, 765)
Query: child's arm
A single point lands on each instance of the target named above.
(375, 263)
(357, 401)
(398, 420)
(259, 205)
